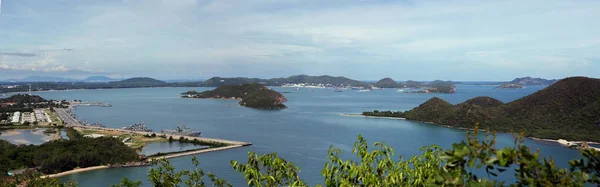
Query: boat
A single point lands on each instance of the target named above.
(297, 89)
(364, 90)
(400, 90)
(182, 130)
(338, 90)
(139, 127)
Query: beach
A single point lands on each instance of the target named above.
(78, 170)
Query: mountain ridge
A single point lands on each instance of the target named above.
(567, 109)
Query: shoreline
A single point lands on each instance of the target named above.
(78, 170)
(168, 156)
(360, 115)
(462, 128)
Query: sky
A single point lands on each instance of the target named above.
(360, 39)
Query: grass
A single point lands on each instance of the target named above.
(55, 119)
(137, 141)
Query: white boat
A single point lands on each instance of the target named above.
(400, 90)
(364, 90)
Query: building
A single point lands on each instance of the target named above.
(93, 135)
(28, 117)
(16, 117)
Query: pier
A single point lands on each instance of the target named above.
(70, 121)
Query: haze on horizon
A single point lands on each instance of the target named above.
(359, 39)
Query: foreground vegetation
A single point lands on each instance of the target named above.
(377, 165)
(568, 109)
(63, 155)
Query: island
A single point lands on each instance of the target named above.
(250, 95)
(510, 86)
(568, 109)
(532, 81)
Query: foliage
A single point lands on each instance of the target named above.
(23, 98)
(377, 166)
(165, 176)
(251, 95)
(268, 170)
(569, 109)
(62, 155)
(378, 113)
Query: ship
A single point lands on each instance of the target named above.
(182, 130)
(139, 127)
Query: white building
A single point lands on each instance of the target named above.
(93, 135)
(16, 117)
(28, 117)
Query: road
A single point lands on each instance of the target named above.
(66, 117)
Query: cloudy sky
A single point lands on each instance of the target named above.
(361, 39)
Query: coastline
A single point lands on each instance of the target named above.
(194, 152)
(78, 170)
(481, 130)
(360, 115)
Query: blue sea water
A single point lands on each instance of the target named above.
(301, 133)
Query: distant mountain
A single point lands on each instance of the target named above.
(387, 83)
(42, 79)
(139, 81)
(324, 79)
(568, 109)
(532, 81)
(183, 80)
(100, 79)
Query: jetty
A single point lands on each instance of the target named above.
(70, 121)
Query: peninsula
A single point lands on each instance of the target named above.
(251, 95)
(568, 109)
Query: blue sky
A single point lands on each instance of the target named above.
(360, 39)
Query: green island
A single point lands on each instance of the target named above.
(251, 95)
(568, 109)
(510, 86)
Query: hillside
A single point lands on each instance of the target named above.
(99, 79)
(568, 109)
(142, 81)
(532, 81)
(23, 98)
(387, 83)
(251, 95)
(296, 79)
(42, 79)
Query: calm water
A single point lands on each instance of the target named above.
(301, 133)
(25, 136)
(165, 147)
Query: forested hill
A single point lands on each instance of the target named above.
(532, 81)
(568, 109)
(23, 98)
(139, 81)
(324, 79)
(251, 95)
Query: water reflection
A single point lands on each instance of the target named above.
(26, 136)
(165, 147)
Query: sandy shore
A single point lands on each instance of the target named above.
(78, 170)
(10, 133)
(195, 152)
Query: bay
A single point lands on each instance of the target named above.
(301, 133)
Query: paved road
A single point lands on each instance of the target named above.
(66, 117)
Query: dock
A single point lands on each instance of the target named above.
(70, 121)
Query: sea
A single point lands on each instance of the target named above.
(301, 133)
